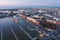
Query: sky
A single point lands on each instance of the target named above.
(16, 3)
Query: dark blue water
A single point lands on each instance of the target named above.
(6, 24)
(9, 30)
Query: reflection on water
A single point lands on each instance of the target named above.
(2, 17)
(6, 23)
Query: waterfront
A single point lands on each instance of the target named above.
(29, 24)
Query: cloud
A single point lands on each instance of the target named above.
(29, 2)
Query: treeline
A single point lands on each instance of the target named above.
(8, 9)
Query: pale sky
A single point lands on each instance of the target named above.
(29, 3)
